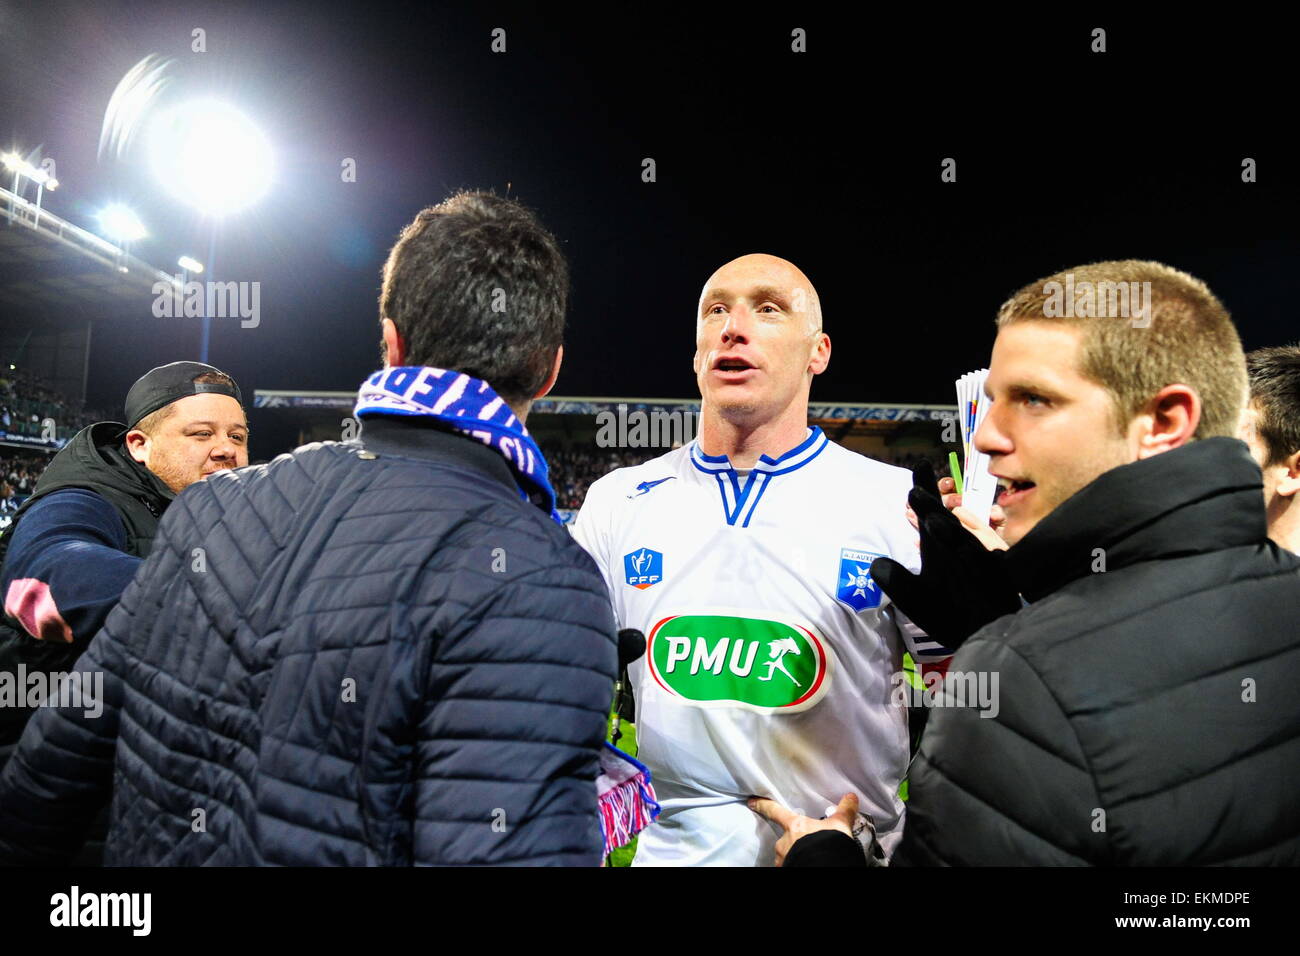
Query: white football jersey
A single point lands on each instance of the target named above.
(772, 657)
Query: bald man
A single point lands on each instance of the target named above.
(773, 662)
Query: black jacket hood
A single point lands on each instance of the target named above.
(96, 459)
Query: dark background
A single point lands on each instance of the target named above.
(829, 158)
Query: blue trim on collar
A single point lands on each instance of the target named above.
(810, 447)
(733, 505)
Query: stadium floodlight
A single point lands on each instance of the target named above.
(121, 223)
(20, 167)
(190, 264)
(211, 156)
(23, 169)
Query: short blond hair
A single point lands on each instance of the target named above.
(1188, 338)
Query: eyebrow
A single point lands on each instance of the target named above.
(763, 293)
(217, 425)
(1027, 388)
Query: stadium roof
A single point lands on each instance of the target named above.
(48, 263)
(565, 405)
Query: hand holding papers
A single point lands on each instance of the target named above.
(962, 585)
(979, 486)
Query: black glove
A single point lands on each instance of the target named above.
(962, 585)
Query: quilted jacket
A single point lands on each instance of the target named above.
(362, 653)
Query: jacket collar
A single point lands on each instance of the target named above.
(425, 441)
(95, 458)
(1206, 496)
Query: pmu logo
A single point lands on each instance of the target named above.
(728, 658)
(643, 568)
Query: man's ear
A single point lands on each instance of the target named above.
(137, 445)
(1289, 484)
(394, 345)
(555, 373)
(1169, 421)
(821, 354)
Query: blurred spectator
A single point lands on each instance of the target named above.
(19, 473)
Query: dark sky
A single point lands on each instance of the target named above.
(829, 158)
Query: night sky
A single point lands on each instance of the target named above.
(830, 158)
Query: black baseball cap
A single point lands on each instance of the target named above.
(169, 383)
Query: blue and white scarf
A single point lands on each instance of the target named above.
(469, 406)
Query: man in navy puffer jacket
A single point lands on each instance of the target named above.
(385, 651)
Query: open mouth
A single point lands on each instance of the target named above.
(731, 365)
(1012, 490)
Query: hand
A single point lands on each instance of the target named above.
(989, 535)
(963, 583)
(796, 826)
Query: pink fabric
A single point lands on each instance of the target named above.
(32, 604)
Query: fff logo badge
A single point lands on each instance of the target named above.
(643, 568)
(854, 585)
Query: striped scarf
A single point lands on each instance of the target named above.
(469, 406)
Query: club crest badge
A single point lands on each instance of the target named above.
(854, 585)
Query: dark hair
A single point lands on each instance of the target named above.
(476, 284)
(1275, 389)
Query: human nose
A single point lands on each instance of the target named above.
(990, 439)
(736, 328)
(224, 449)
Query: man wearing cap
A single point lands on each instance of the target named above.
(77, 541)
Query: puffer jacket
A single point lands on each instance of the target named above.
(1146, 711)
(362, 653)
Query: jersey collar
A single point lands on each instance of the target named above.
(795, 458)
(739, 502)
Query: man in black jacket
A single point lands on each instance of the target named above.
(1147, 713)
(76, 543)
(386, 651)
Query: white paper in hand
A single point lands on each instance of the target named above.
(979, 488)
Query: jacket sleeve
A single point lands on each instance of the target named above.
(826, 848)
(1003, 784)
(61, 774)
(513, 719)
(66, 566)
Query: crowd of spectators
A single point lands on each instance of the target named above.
(27, 402)
(18, 474)
(574, 468)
